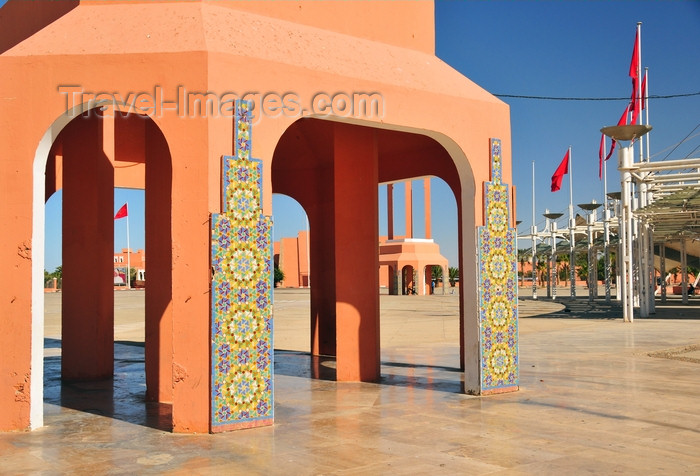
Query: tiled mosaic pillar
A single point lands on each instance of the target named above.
(241, 289)
(498, 299)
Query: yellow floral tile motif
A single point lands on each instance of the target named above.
(498, 299)
(241, 289)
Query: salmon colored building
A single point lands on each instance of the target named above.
(344, 96)
(291, 256)
(405, 262)
(134, 259)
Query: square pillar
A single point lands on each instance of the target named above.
(322, 262)
(87, 310)
(356, 253)
(159, 305)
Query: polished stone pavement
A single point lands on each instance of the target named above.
(597, 396)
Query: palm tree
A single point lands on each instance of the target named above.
(542, 269)
(564, 268)
(523, 256)
(436, 272)
(453, 275)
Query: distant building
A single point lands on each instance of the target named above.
(406, 263)
(136, 259)
(292, 257)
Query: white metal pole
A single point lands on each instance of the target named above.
(128, 250)
(625, 162)
(606, 228)
(638, 243)
(630, 255)
(619, 276)
(684, 272)
(662, 268)
(646, 107)
(652, 271)
(533, 232)
(622, 246)
(591, 268)
(642, 253)
(553, 225)
(549, 260)
(638, 102)
(572, 227)
(650, 232)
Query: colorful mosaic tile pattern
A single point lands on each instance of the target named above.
(241, 289)
(498, 299)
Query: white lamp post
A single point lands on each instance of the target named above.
(592, 266)
(625, 165)
(552, 271)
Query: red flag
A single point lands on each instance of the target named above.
(621, 122)
(562, 170)
(123, 211)
(638, 101)
(636, 97)
(634, 65)
(634, 71)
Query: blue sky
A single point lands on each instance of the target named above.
(575, 49)
(578, 49)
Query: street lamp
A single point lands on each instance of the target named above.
(625, 165)
(552, 266)
(606, 233)
(592, 267)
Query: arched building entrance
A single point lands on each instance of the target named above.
(87, 157)
(333, 169)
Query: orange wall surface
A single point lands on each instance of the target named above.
(217, 46)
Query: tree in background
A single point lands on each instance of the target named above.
(57, 273)
(453, 276)
(564, 268)
(436, 272)
(279, 276)
(523, 257)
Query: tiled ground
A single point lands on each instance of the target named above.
(592, 401)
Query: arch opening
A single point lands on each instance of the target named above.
(310, 164)
(292, 278)
(85, 156)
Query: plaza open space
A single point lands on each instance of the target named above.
(597, 396)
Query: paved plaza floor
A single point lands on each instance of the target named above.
(597, 396)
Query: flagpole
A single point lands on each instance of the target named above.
(650, 199)
(645, 98)
(571, 187)
(638, 102)
(606, 227)
(642, 279)
(534, 237)
(128, 251)
(572, 225)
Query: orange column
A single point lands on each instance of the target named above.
(322, 260)
(426, 200)
(159, 296)
(88, 235)
(409, 209)
(356, 253)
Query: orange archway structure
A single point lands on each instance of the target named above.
(344, 96)
(419, 255)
